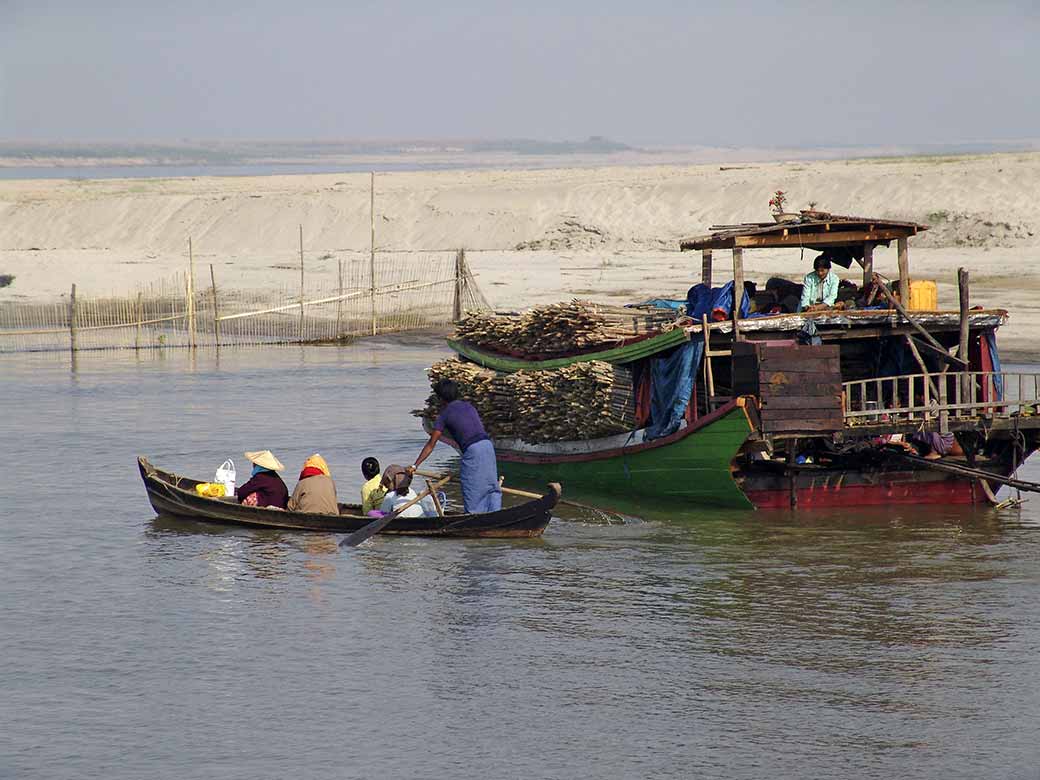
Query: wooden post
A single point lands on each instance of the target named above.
(72, 319)
(216, 311)
(460, 264)
(436, 500)
(965, 330)
(904, 272)
(709, 377)
(792, 454)
(138, 317)
(868, 264)
(191, 295)
(372, 245)
(706, 267)
(738, 290)
(339, 303)
(301, 284)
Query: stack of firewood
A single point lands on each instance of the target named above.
(579, 401)
(563, 328)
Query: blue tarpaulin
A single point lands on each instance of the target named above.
(701, 300)
(998, 381)
(672, 377)
(660, 303)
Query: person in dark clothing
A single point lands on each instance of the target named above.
(479, 468)
(265, 487)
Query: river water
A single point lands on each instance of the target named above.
(683, 643)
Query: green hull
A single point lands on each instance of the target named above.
(625, 354)
(694, 469)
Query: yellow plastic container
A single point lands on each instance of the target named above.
(210, 489)
(923, 295)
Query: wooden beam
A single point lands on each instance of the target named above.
(904, 272)
(706, 267)
(965, 330)
(914, 323)
(833, 238)
(738, 290)
(868, 263)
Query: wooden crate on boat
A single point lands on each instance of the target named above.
(798, 387)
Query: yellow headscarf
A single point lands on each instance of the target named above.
(317, 462)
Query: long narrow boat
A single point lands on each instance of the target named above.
(175, 495)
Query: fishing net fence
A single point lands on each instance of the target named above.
(394, 292)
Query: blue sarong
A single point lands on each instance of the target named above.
(479, 474)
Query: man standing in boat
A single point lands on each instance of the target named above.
(819, 288)
(479, 470)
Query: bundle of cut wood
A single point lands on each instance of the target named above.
(562, 328)
(580, 401)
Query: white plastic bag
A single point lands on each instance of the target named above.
(226, 476)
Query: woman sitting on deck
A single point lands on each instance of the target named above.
(479, 470)
(819, 288)
(265, 487)
(315, 492)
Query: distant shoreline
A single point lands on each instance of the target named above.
(19, 161)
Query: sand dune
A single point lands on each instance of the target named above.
(532, 235)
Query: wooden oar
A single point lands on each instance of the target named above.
(511, 491)
(379, 524)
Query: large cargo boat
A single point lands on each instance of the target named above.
(806, 409)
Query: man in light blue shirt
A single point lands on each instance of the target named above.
(819, 288)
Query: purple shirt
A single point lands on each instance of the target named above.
(462, 423)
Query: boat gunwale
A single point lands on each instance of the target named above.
(532, 516)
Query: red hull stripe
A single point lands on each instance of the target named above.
(952, 491)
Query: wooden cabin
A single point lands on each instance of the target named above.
(948, 371)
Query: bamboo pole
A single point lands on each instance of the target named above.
(965, 326)
(191, 295)
(339, 303)
(372, 246)
(456, 309)
(301, 283)
(72, 319)
(138, 316)
(709, 376)
(738, 290)
(216, 311)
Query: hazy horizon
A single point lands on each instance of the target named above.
(668, 74)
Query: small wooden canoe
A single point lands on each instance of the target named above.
(171, 494)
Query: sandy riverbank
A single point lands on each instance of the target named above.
(532, 236)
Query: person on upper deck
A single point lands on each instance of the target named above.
(479, 469)
(373, 490)
(315, 491)
(819, 288)
(264, 487)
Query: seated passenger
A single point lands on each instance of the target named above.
(402, 493)
(372, 491)
(264, 487)
(933, 446)
(819, 288)
(315, 492)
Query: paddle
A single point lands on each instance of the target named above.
(512, 491)
(379, 524)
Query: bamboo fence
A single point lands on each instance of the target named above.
(388, 293)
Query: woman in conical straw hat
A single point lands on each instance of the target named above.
(265, 487)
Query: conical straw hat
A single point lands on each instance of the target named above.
(266, 459)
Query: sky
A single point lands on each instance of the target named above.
(645, 72)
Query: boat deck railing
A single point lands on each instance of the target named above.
(943, 397)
